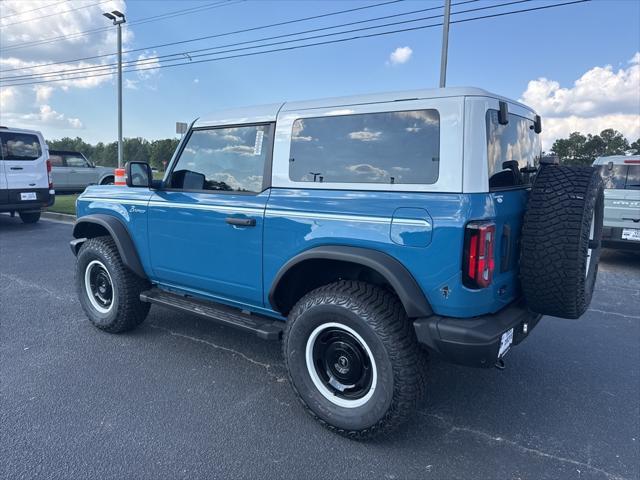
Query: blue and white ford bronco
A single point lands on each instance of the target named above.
(367, 232)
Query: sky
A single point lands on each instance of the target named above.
(576, 65)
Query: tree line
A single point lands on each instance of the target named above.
(579, 149)
(138, 149)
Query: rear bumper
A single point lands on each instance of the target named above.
(10, 200)
(475, 341)
(612, 238)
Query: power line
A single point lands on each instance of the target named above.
(154, 18)
(190, 52)
(35, 9)
(55, 13)
(245, 30)
(326, 42)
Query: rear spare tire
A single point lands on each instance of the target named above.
(561, 240)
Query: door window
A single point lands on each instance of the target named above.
(56, 160)
(20, 146)
(76, 161)
(224, 160)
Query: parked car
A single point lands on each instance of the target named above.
(621, 175)
(25, 174)
(363, 230)
(72, 172)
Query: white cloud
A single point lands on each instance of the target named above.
(21, 25)
(43, 93)
(601, 98)
(365, 135)
(150, 63)
(368, 171)
(196, 80)
(45, 117)
(400, 55)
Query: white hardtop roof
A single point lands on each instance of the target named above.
(19, 130)
(616, 159)
(269, 113)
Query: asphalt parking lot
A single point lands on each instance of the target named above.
(184, 398)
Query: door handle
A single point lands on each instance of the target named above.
(241, 222)
(16, 168)
(634, 220)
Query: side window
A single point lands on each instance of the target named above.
(56, 160)
(614, 177)
(511, 148)
(75, 161)
(20, 146)
(390, 147)
(224, 159)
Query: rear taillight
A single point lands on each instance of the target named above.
(635, 162)
(49, 174)
(478, 262)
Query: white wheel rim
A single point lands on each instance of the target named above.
(311, 368)
(94, 264)
(592, 230)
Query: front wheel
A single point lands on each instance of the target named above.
(109, 292)
(353, 358)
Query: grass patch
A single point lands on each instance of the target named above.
(64, 204)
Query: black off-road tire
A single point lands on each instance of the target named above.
(379, 318)
(29, 217)
(107, 181)
(127, 311)
(563, 203)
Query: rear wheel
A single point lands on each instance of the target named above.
(353, 358)
(107, 181)
(561, 240)
(109, 292)
(29, 217)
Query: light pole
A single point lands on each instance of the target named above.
(118, 19)
(445, 43)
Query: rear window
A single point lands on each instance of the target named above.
(390, 147)
(515, 142)
(621, 177)
(20, 146)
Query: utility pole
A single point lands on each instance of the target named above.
(118, 19)
(445, 44)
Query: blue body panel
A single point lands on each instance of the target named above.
(185, 243)
(297, 221)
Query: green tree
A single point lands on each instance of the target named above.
(615, 143)
(636, 146)
(583, 150)
(570, 150)
(162, 151)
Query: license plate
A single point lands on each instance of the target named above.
(632, 234)
(505, 342)
(28, 196)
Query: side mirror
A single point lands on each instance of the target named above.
(138, 174)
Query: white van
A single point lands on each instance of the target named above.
(25, 174)
(621, 175)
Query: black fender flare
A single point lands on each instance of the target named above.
(118, 231)
(401, 280)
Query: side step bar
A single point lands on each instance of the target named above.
(263, 327)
